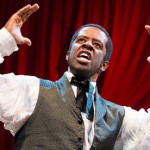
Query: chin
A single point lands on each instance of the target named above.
(82, 73)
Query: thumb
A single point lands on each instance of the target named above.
(26, 41)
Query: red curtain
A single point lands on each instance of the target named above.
(126, 82)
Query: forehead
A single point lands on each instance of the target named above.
(94, 33)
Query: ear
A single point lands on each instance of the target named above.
(67, 55)
(104, 65)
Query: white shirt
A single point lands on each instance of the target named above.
(19, 94)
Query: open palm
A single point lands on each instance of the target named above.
(16, 21)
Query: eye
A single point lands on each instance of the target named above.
(97, 45)
(81, 40)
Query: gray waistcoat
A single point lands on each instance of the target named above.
(56, 123)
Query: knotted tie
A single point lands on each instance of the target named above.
(84, 104)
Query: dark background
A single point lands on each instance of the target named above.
(126, 82)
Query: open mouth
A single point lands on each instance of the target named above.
(84, 57)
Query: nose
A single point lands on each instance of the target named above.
(88, 46)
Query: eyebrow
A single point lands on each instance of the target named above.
(92, 38)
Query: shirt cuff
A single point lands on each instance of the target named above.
(1, 58)
(7, 44)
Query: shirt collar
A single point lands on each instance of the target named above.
(70, 75)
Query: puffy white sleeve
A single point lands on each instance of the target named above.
(7, 44)
(18, 94)
(18, 98)
(135, 131)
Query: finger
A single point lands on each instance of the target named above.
(147, 27)
(23, 10)
(26, 11)
(148, 59)
(29, 12)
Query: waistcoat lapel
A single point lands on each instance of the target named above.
(65, 89)
(67, 94)
(108, 120)
(100, 107)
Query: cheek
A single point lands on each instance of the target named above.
(99, 58)
(73, 51)
(71, 56)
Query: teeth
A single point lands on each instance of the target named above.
(84, 55)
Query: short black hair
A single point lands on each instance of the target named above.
(109, 45)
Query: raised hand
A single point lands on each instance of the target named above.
(148, 59)
(147, 27)
(16, 21)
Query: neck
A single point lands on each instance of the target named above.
(92, 78)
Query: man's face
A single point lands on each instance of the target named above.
(87, 53)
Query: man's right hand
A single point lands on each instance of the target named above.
(147, 27)
(16, 21)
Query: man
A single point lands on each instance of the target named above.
(42, 114)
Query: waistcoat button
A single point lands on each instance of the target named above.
(80, 121)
